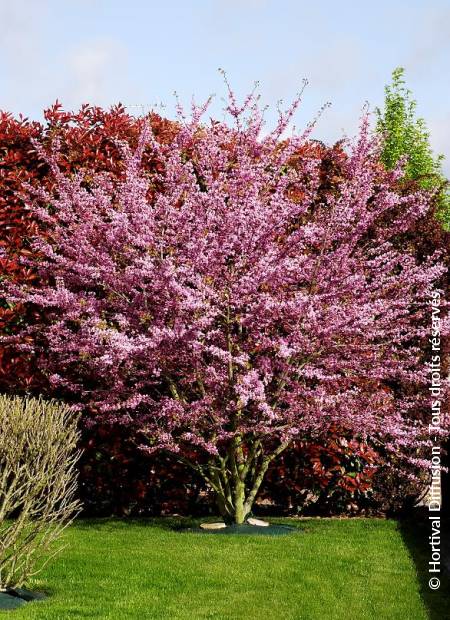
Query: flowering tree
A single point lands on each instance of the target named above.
(229, 310)
(88, 141)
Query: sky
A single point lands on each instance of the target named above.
(138, 53)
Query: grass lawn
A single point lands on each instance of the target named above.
(336, 569)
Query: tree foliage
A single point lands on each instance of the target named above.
(219, 302)
(405, 135)
(89, 140)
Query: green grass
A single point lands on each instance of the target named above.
(336, 569)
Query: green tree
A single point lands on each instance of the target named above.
(404, 134)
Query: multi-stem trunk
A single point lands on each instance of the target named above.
(237, 477)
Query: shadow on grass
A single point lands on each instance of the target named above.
(173, 524)
(415, 532)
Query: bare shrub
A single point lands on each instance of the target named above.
(38, 481)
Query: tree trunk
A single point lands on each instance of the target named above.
(236, 480)
(240, 512)
(238, 509)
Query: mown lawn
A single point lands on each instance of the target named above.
(334, 569)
